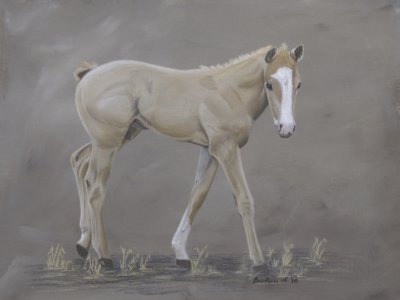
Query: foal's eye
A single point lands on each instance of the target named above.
(299, 85)
(268, 85)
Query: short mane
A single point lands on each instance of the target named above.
(237, 59)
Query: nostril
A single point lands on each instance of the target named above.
(280, 126)
(294, 128)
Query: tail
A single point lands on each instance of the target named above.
(83, 68)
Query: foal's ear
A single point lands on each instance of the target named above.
(270, 55)
(297, 53)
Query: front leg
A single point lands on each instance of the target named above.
(227, 153)
(206, 168)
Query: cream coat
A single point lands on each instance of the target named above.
(213, 107)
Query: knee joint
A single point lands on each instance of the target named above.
(222, 148)
(245, 207)
(95, 196)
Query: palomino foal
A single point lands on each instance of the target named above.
(213, 107)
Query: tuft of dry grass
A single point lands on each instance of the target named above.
(128, 262)
(56, 259)
(299, 270)
(143, 263)
(282, 264)
(92, 267)
(287, 255)
(270, 252)
(317, 250)
(131, 263)
(199, 265)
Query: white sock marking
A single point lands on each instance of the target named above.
(180, 237)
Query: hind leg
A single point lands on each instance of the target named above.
(95, 181)
(108, 121)
(98, 169)
(80, 162)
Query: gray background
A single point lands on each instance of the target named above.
(336, 178)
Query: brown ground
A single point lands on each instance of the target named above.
(336, 178)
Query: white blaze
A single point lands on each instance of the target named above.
(284, 76)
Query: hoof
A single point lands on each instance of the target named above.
(263, 274)
(83, 252)
(106, 263)
(184, 263)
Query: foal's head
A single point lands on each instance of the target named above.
(282, 81)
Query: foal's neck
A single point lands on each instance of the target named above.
(246, 79)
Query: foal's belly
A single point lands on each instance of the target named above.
(174, 124)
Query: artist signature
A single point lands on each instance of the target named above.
(292, 279)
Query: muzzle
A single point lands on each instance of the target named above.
(286, 129)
